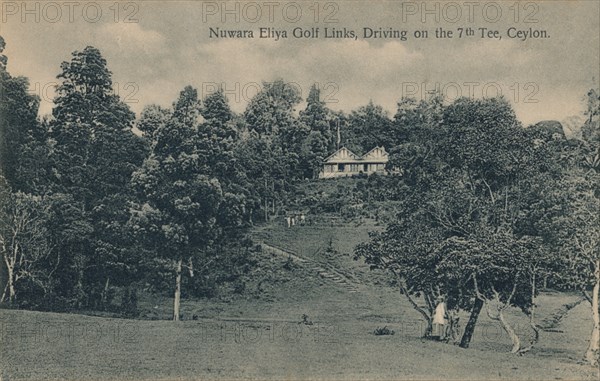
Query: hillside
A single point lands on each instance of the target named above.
(305, 325)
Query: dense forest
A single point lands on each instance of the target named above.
(94, 198)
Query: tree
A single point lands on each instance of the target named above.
(216, 111)
(581, 235)
(275, 137)
(70, 231)
(23, 241)
(313, 153)
(187, 107)
(23, 149)
(217, 136)
(499, 265)
(317, 117)
(578, 228)
(271, 109)
(94, 152)
(153, 118)
(319, 140)
(407, 249)
(85, 95)
(487, 145)
(264, 171)
(179, 202)
(467, 171)
(370, 127)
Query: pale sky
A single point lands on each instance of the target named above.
(167, 46)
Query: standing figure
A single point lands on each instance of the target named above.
(289, 221)
(439, 319)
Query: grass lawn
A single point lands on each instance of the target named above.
(249, 338)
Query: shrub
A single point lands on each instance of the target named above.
(306, 320)
(129, 303)
(383, 331)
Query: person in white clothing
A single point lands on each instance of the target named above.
(439, 319)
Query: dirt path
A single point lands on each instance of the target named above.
(551, 323)
(325, 271)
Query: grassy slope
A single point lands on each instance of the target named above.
(261, 338)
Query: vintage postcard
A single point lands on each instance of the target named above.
(299, 190)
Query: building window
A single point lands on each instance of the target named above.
(341, 167)
(365, 167)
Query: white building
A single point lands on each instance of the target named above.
(344, 162)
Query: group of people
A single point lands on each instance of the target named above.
(294, 219)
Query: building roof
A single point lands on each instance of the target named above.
(376, 155)
(344, 155)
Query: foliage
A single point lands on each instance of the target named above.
(93, 154)
(466, 193)
(23, 151)
(24, 245)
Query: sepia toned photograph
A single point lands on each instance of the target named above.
(299, 190)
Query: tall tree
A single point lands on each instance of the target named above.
(217, 136)
(276, 136)
(179, 201)
(271, 110)
(153, 117)
(579, 226)
(317, 117)
(23, 149)
(320, 139)
(94, 152)
(370, 127)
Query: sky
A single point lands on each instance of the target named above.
(155, 48)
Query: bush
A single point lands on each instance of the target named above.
(306, 320)
(129, 303)
(239, 286)
(289, 264)
(383, 331)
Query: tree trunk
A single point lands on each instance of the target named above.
(532, 312)
(177, 301)
(470, 327)
(536, 333)
(11, 286)
(266, 210)
(427, 317)
(105, 293)
(511, 333)
(593, 351)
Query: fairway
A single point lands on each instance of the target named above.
(267, 339)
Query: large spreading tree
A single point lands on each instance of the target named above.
(467, 190)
